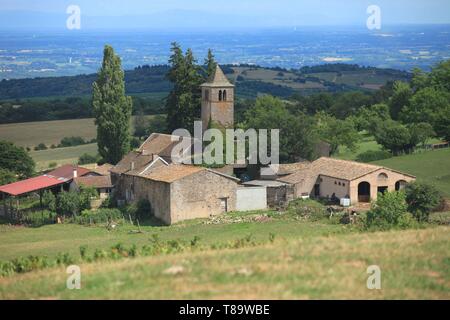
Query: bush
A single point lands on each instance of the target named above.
(49, 200)
(87, 159)
(40, 146)
(39, 218)
(52, 165)
(422, 199)
(388, 211)
(68, 203)
(141, 210)
(373, 155)
(71, 142)
(102, 215)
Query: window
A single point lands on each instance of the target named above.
(224, 95)
(220, 95)
(206, 94)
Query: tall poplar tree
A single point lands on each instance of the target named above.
(112, 109)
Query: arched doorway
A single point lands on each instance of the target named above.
(400, 185)
(364, 192)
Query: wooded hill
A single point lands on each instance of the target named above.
(250, 81)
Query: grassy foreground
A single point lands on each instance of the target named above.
(415, 264)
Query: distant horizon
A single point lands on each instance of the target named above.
(202, 14)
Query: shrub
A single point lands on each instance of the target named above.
(40, 146)
(52, 165)
(68, 203)
(49, 200)
(141, 210)
(388, 211)
(71, 142)
(85, 196)
(86, 158)
(422, 198)
(373, 155)
(102, 215)
(39, 218)
(64, 259)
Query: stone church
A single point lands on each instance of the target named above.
(218, 101)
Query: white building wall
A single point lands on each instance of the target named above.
(251, 198)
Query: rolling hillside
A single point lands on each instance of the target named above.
(250, 81)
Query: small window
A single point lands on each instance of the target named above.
(335, 182)
(343, 184)
(224, 95)
(220, 95)
(206, 95)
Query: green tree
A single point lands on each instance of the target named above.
(426, 105)
(400, 98)
(421, 133)
(183, 102)
(440, 76)
(67, 203)
(298, 136)
(140, 124)
(389, 210)
(16, 160)
(112, 109)
(393, 136)
(210, 64)
(49, 200)
(7, 176)
(337, 132)
(157, 124)
(368, 118)
(422, 198)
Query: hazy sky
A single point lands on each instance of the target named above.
(272, 12)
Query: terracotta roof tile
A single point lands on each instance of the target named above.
(171, 172)
(218, 79)
(94, 181)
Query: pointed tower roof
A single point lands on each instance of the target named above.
(217, 79)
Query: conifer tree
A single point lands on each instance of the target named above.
(183, 102)
(210, 64)
(112, 109)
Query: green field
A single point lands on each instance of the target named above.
(307, 260)
(429, 166)
(30, 134)
(62, 156)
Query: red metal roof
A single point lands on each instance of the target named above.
(66, 172)
(31, 185)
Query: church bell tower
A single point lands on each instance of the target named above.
(218, 101)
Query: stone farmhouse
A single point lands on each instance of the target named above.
(333, 178)
(179, 192)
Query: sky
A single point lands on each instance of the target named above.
(222, 14)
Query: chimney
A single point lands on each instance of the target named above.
(75, 172)
(132, 165)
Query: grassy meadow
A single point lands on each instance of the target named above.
(30, 134)
(307, 260)
(62, 156)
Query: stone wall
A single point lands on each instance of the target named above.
(157, 193)
(200, 196)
